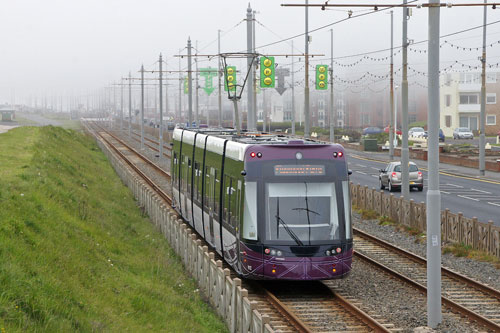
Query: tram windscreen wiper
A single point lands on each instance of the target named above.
(285, 226)
(307, 213)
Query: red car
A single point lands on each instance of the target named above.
(398, 132)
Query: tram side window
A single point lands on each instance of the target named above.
(215, 196)
(249, 230)
(174, 171)
(228, 198)
(197, 188)
(347, 209)
(207, 192)
(237, 206)
(188, 175)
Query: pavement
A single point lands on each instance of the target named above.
(462, 189)
(4, 128)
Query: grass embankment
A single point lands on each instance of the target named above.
(76, 254)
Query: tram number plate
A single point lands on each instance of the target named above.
(299, 170)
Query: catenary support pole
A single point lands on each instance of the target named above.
(197, 100)
(405, 186)
(129, 104)
(142, 106)
(332, 105)
(254, 81)
(160, 81)
(306, 88)
(236, 115)
(219, 89)
(434, 316)
(190, 85)
(482, 116)
(250, 114)
(121, 106)
(179, 110)
(293, 93)
(391, 125)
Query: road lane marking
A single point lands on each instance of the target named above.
(361, 165)
(466, 197)
(454, 185)
(375, 176)
(494, 204)
(361, 172)
(425, 169)
(445, 192)
(375, 168)
(473, 189)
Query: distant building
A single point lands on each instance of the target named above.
(7, 114)
(461, 102)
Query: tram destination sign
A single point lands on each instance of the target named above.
(299, 170)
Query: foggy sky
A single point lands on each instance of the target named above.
(71, 45)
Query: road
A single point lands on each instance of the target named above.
(473, 197)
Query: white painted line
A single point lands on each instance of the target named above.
(453, 185)
(445, 192)
(375, 176)
(494, 204)
(466, 197)
(473, 189)
(375, 168)
(361, 172)
(361, 165)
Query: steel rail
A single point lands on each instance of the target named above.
(418, 259)
(446, 301)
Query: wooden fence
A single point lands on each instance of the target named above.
(455, 228)
(225, 294)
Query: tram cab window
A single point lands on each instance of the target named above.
(301, 213)
(249, 230)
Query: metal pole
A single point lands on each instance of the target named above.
(179, 111)
(219, 80)
(160, 81)
(405, 159)
(236, 115)
(293, 93)
(190, 86)
(391, 125)
(306, 89)
(121, 105)
(434, 316)
(129, 104)
(482, 116)
(142, 106)
(332, 106)
(254, 81)
(250, 114)
(197, 114)
(264, 110)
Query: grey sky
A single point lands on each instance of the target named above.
(70, 45)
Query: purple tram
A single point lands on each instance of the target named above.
(273, 206)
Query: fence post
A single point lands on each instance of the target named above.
(475, 234)
(490, 237)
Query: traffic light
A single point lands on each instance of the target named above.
(267, 79)
(230, 78)
(321, 77)
(186, 85)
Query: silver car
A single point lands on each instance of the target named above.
(390, 177)
(463, 133)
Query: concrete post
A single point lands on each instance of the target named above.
(293, 93)
(219, 81)
(160, 79)
(405, 159)
(332, 105)
(434, 316)
(129, 104)
(306, 79)
(142, 106)
(391, 125)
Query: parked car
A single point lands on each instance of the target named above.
(372, 130)
(398, 131)
(441, 136)
(416, 132)
(463, 133)
(390, 177)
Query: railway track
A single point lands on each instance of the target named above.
(476, 301)
(311, 308)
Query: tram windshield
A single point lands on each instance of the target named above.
(301, 213)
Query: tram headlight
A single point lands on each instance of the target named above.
(328, 252)
(298, 155)
(279, 253)
(273, 252)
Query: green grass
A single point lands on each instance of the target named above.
(76, 254)
(462, 250)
